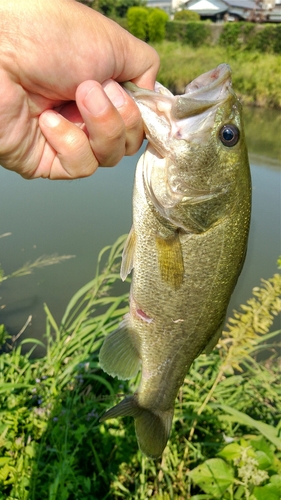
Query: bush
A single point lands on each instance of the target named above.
(229, 36)
(157, 20)
(137, 21)
(186, 15)
(175, 31)
(122, 6)
(192, 33)
(268, 39)
(197, 33)
(147, 24)
(247, 36)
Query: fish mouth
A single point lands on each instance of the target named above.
(212, 82)
(204, 92)
(207, 90)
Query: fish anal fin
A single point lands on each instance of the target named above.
(128, 255)
(152, 428)
(119, 354)
(170, 260)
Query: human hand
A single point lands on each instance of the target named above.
(62, 112)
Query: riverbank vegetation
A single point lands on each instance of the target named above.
(225, 441)
(189, 47)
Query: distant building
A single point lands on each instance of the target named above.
(167, 5)
(228, 10)
(223, 9)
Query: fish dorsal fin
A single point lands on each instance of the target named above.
(128, 255)
(119, 354)
(170, 259)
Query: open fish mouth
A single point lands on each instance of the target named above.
(189, 116)
(204, 92)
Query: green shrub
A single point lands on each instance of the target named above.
(247, 36)
(175, 31)
(268, 39)
(137, 21)
(157, 20)
(192, 33)
(197, 33)
(230, 35)
(122, 6)
(277, 40)
(186, 15)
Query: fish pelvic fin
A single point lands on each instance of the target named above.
(152, 427)
(119, 354)
(128, 255)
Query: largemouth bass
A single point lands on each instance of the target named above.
(191, 213)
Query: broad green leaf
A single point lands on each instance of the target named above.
(266, 430)
(276, 480)
(267, 492)
(214, 476)
(230, 452)
(260, 443)
(263, 459)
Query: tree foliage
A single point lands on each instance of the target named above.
(137, 21)
(147, 24)
(157, 20)
(115, 8)
(186, 15)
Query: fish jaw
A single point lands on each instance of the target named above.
(168, 118)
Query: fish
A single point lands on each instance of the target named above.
(186, 248)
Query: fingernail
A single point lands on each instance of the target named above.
(114, 92)
(96, 101)
(50, 118)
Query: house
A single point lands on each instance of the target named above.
(229, 10)
(167, 5)
(223, 9)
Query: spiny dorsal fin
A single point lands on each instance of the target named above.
(170, 260)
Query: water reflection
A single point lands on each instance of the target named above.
(81, 217)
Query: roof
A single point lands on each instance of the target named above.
(242, 4)
(220, 5)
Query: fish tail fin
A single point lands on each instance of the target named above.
(152, 428)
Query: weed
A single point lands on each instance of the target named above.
(225, 442)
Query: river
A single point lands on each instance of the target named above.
(81, 217)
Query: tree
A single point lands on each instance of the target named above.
(186, 15)
(122, 6)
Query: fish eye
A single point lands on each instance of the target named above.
(229, 135)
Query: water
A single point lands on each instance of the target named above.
(81, 217)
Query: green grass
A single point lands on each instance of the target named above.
(256, 76)
(225, 441)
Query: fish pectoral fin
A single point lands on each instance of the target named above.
(128, 255)
(152, 428)
(214, 340)
(119, 354)
(170, 260)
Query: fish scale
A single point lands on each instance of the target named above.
(191, 215)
